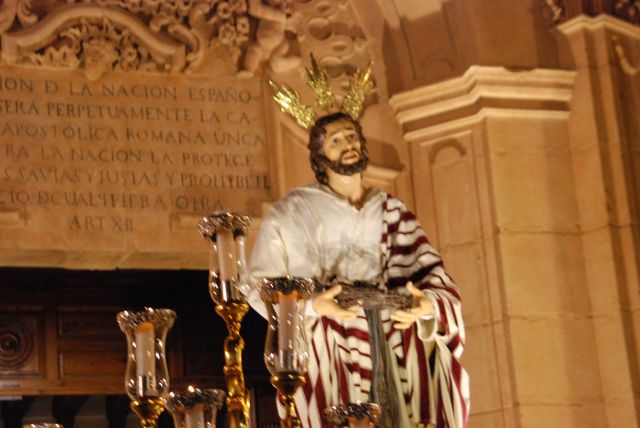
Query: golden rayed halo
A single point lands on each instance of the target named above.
(290, 102)
(318, 79)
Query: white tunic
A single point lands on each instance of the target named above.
(325, 237)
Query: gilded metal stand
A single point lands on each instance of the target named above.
(148, 409)
(287, 384)
(238, 401)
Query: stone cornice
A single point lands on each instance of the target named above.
(600, 22)
(482, 87)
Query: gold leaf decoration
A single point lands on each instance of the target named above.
(291, 103)
(360, 86)
(318, 80)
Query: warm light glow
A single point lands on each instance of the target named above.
(145, 350)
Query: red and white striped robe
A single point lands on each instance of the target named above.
(432, 382)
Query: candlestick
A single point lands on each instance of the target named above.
(285, 351)
(147, 376)
(195, 408)
(227, 280)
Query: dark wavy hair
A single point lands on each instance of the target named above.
(317, 134)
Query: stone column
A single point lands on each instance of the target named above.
(604, 136)
(496, 187)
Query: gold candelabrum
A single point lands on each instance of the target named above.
(146, 376)
(286, 352)
(353, 415)
(195, 408)
(228, 284)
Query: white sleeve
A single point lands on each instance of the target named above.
(283, 247)
(268, 259)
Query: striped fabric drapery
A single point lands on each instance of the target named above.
(427, 372)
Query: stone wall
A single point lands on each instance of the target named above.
(526, 181)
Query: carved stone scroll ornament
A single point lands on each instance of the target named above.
(183, 35)
(105, 35)
(12, 9)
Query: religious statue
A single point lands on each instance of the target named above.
(385, 324)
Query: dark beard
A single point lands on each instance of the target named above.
(342, 169)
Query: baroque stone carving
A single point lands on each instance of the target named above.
(176, 35)
(105, 35)
(629, 10)
(275, 28)
(555, 11)
(16, 344)
(289, 30)
(329, 29)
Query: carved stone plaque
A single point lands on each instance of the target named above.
(116, 172)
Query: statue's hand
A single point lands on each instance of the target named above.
(325, 305)
(423, 307)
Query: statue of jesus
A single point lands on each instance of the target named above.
(345, 235)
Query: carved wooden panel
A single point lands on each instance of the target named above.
(87, 323)
(59, 333)
(92, 363)
(21, 344)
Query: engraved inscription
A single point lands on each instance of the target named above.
(121, 155)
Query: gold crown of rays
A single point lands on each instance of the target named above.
(318, 79)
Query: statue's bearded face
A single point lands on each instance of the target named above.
(342, 147)
(336, 143)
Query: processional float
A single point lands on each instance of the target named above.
(286, 351)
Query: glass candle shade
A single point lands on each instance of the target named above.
(353, 415)
(146, 374)
(228, 279)
(286, 349)
(195, 408)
